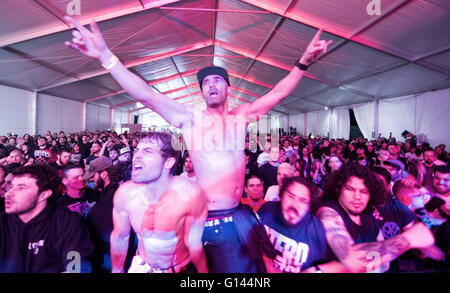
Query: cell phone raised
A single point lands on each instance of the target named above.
(434, 203)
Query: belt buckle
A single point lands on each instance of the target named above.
(155, 270)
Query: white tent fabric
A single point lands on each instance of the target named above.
(365, 115)
(340, 123)
(65, 114)
(23, 101)
(433, 117)
(397, 115)
(317, 123)
(425, 115)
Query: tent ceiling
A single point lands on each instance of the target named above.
(404, 50)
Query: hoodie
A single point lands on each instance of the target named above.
(54, 241)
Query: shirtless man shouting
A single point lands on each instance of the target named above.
(167, 213)
(215, 139)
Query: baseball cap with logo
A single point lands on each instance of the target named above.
(397, 163)
(97, 165)
(125, 150)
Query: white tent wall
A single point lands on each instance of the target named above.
(17, 111)
(317, 123)
(340, 123)
(120, 118)
(425, 115)
(283, 122)
(97, 117)
(365, 117)
(56, 114)
(433, 117)
(396, 115)
(298, 121)
(153, 119)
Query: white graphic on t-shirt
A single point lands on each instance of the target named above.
(35, 246)
(81, 208)
(294, 254)
(390, 229)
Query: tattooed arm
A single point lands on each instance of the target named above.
(371, 256)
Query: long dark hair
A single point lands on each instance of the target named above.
(338, 179)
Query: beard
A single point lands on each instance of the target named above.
(31, 206)
(100, 183)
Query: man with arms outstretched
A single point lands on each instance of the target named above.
(215, 139)
(167, 213)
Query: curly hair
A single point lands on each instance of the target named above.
(337, 180)
(327, 168)
(313, 190)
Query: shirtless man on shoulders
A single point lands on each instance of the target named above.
(167, 213)
(215, 139)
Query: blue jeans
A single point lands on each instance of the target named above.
(225, 252)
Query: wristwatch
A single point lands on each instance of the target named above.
(300, 65)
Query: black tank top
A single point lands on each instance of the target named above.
(367, 232)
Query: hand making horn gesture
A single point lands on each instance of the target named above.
(315, 48)
(90, 43)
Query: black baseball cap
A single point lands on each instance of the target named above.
(212, 70)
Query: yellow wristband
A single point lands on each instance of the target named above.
(111, 62)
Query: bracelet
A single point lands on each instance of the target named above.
(111, 62)
(300, 65)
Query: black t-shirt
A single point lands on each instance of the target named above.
(250, 169)
(85, 149)
(49, 243)
(443, 239)
(57, 167)
(3, 151)
(395, 216)
(90, 159)
(12, 166)
(100, 224)
(268, 175)
(305, 241)
(42, 156)
(367, 232)
(80, 205)
(253, 154)
(9, 149)
(77, 159)
(100, 215)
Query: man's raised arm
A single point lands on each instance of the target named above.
(91, 43)
(285, 86)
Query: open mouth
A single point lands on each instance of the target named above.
(137, 167)
(213, 93)
(293, 211)
(8, 203)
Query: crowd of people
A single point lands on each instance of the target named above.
(219, 199)
(296, 185)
